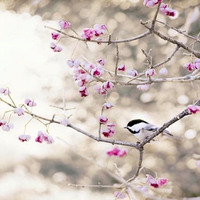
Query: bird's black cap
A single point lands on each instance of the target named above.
(135, 121)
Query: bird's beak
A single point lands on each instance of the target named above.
(125, 127)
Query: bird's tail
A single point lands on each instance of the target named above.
(169, 135)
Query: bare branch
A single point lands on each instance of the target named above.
(180, 44)
(103, 41)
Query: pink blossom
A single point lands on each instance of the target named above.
(44, 137)
(64, 24)
(24, 138)
(198, 163)
(99, 40)
(132, 72)
(103, 119)
(77, 73)
(55, 47)
(114, 152)
(119, 195)
(101, 61)
(97, 70)
(163, 71)
(108, 85)
(83, 91)
(107, 105)
(65, 122)
(97, 88)
(99, 29)
(5, 126)
(193, 109)
(190, 66)
(77, 63)
(107, 133)
(49, 139)
(5, 91)
(143, 87)
(55, 35)
(150, 72)
(197, 63)
(156, 183)
(19, 111)
(110, 131)
(2, 122)
(122, 153)
(121, 68)
(164, 9)
(111, 126)
(143, 189)
(117, 152)
(30, 103)
(70, 63)
(151, 3)
(40, 137)
(52, 45)
(87, 34)
(104, 88)
(83, 79)
(89, 66)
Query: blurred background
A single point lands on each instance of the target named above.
(31, 70)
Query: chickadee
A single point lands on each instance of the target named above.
(142, 129)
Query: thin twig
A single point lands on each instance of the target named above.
(103, 41)
(181, 44)
(179, 31)
(117, 61)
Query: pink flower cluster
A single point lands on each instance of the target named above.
(164, 9)
(156, 183)
(41, 137)
(84, 73)
(117, 152)
(104, 88)
(109, 131)
(193, 65)
(110, 127)
(129, 72)
(5, 125)
(96, 31)
(57, 36)
(44, 137)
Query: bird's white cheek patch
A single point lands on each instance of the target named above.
(138, 127)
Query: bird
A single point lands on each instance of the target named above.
(142, 129)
